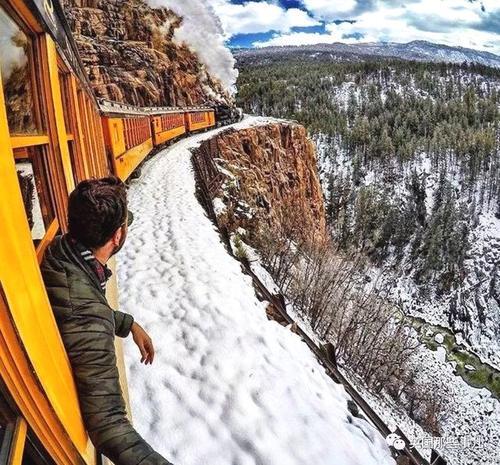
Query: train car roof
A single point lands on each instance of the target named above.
(109, 108)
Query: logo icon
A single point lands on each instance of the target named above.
(396, 441)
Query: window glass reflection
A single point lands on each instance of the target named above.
(15, 69)
(33, 181)
(35, 454)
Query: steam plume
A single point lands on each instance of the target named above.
(201, 30)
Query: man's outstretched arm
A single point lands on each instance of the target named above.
(124, 325)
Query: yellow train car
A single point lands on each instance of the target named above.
(167, 125)
(130, 133)
(128, 136)
(199, 119)
(51, 138)
(54, 133)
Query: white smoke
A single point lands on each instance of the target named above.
(201, 31)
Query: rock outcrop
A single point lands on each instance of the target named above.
(270, 179)
(130, 56)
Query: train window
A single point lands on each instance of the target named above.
(4, 425)
(31, 165)
(64, 80)
(16, 73)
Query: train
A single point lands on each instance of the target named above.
(54, 133)
(131, 133)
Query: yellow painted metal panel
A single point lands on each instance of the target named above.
(59, 112)
(165, 136)
(28, 141)
(115, 136)
(130, 160)
(202, 125)
(48, 238)
(38, 369)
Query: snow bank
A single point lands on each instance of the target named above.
(227, 385)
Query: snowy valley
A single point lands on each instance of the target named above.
(408, 158)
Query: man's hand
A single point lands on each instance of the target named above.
(144, 343)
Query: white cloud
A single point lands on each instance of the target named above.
(330, 9)
(209, 24)
(256, 17)
(446, 22)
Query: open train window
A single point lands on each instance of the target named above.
(16, 68)
(32, 169)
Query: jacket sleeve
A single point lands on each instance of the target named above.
(88, 335)
(123, 323)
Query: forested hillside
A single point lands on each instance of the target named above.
(409, 157)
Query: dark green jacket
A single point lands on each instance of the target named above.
(88, 326)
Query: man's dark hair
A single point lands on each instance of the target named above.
(96, 209)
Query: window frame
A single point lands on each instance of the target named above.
(45, 89)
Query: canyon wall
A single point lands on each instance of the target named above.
(269, 179)
(130, 55)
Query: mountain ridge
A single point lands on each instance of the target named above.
(418, 50)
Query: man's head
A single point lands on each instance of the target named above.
(97, 214)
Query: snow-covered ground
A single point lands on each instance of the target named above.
(470, 423)
(227, 386)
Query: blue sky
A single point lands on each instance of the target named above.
(257, 23)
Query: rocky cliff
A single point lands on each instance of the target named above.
(269, 179)
(130, 55)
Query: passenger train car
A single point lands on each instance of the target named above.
(54, 132)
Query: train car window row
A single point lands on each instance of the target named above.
(31, 147)
(198, 117)
(172, 121)
(42, 171)
(137, 131)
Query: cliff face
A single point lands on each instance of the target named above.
(128, 51)
(270, 179)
